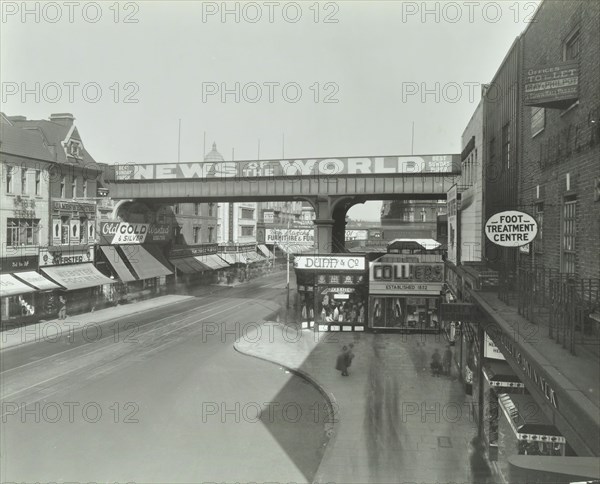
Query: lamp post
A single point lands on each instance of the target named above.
(287, 304)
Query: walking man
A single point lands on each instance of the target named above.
(342, 361)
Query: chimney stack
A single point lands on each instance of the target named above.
(65, 119)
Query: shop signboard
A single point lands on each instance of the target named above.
(551, 86)
(390, 288)
(268, 217)
(330, 263)
(511, 228)
(18, 264)
(124, 233)
(407, 272)
(65, 255)
(375, 165)
(205, 249)
(490, 350)
(357, 234)
(274, 236)
(74, 207)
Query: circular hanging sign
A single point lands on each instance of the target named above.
(511, 228)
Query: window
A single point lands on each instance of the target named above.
(176, 209)
(506, 145)
(196, 209)
(211, 208)
(538, 120)
(211, 234)
(64, 231)
(247, 231)
(247, 214)
(62, 187)
(85, 188)
(572, 47)
(24, 180)
(539, 216)
(10, 171)
(423, 215)
(411, 215)
(569, 216)
(196, 231)
(74, 186)
(22, 231)
(38, 182)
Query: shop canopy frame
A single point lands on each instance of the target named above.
(11, 286)
(37, 280)
(76, 276)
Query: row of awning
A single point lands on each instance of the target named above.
(200, 263)
(295, 248)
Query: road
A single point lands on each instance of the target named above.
(164, 397)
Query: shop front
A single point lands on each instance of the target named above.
(199, 264)
(332, 292)
(132, 254)
(523, 429)
(405, 294)
(244, 261)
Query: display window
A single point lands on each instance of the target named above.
(342, 305)
(404, 311)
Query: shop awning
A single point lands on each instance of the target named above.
(11, 286)
(145, 265)
(118, 264)
(499, 374)
(37, 280)
(232, 258)
(189, 265)
(213, 261)
(252, 257)
(76, 276)
(266, 252)
(527, 419)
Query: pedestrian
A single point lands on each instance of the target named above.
(350, 354)
(342, 361)
(447, 360)
(62, 311)
(436, 362)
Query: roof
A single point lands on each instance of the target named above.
(55, 134)
(214, 155)
(24, 143)
(427, 244)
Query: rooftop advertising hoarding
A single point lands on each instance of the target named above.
(379, 165)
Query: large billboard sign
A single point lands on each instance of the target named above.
(551, 85)
(376, 165)
(125, 233)
(301, 236)
(511, 228)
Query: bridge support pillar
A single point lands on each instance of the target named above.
(323, 235)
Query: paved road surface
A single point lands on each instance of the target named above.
(172, 402)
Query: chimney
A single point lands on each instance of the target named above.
(65, 119)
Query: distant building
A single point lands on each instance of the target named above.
(416, 219)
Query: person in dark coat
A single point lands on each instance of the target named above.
(342, 361)
(447, 360)
(350, 354)
(436, 362)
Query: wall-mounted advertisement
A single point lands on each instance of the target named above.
(357, 234)
(67, 255)
(551, 86)
(268, 217)
(490, 350)
(300, 236)
(330, 262)
(123, 233)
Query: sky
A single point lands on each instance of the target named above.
(161, 81)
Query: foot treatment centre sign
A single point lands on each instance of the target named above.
(511, 228)
(380, 165)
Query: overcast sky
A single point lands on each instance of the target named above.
(331, 78)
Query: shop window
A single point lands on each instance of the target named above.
(64, 231)
(85, 188)
(538, 120)
(24, 180)
(197, 209)
(22, 231)
(569, 218)
(211, 234)
(10, 172)
(38, 182)
(211, 209)
(405, 312)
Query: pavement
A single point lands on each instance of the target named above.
(393, 422)
(48, 330)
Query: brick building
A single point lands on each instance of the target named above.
(560, 159)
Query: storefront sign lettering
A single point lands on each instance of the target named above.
(289, 235)
(511, 228)
(65, 256)
(16, 264)
(407, 272)
(546, 86)
(330, 263)
(529, 369)
(123, 233)
(73, 207)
